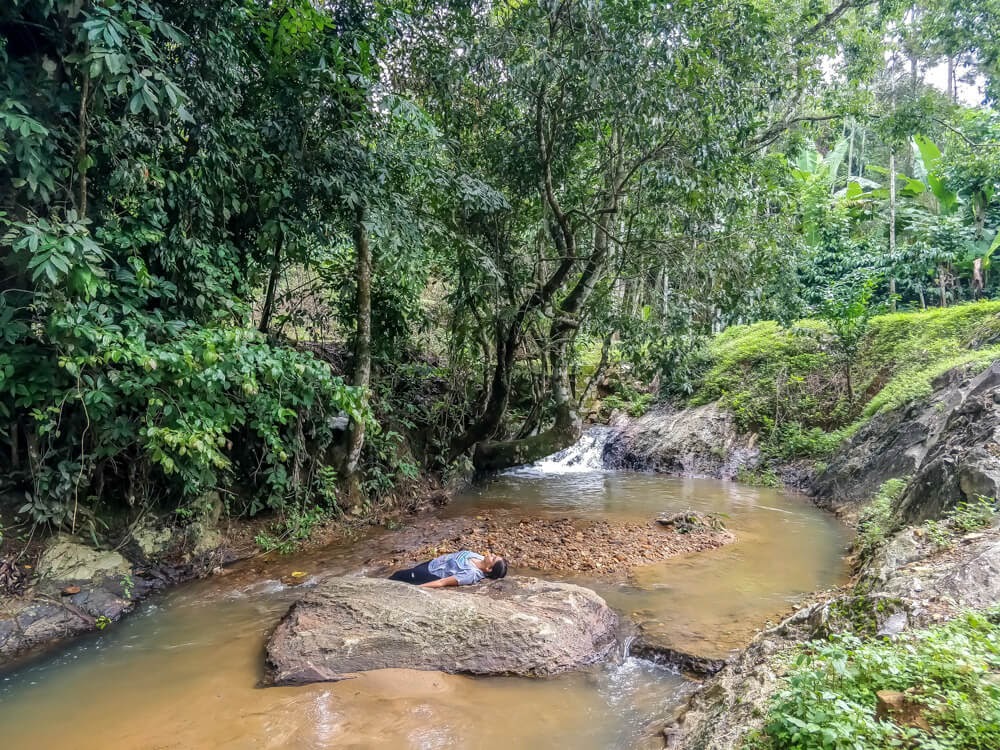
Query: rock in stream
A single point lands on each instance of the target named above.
(515, 626)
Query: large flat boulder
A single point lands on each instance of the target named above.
(515, 626)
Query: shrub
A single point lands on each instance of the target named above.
(829, 698)
(874, 520)
(760, 477)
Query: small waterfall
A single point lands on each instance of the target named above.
(585, 455)
(626, 646)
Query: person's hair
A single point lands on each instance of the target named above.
(499, 569)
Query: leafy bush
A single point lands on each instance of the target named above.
(973, 515)
(183, 406)
(966, 516)
(792, 440)
(758, 477)
(829, 699)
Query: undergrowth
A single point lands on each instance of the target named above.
(874, 522)
(761, 477)
(783, 383)
(950, 671)
(965, 517)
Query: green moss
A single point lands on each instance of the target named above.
(782, 383)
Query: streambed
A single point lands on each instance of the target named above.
(182, 672)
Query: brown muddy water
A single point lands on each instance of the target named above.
(182, 671)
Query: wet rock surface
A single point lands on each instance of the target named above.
(688, 521)
(701, 441)
(515, 626)
(593, 547)
(690, 664)
(947, 446)
(76, 588)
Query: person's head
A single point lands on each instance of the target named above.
(494, 566)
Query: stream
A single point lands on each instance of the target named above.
(182, 672)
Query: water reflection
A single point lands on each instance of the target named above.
(182, 673)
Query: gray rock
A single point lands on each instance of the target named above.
(947, 446)
(938, 587)
(43, 622)
(911, 585)
(894, 625)
(66, 559)
(701, 441)
(153, 539)
(900, 550)
(515, 626)
(690, 664)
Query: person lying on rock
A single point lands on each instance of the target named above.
(454, 569)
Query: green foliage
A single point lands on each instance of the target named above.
(967, 516)
(829, 697)
(789, 384)
(760, 477)
(972, 515)
(874, 521)
(627, 398)
(296, 524)
(848, 311)
(907, 351)
(777, 382)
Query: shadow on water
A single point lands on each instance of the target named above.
(182, 672)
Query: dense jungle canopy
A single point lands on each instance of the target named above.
(301, 251)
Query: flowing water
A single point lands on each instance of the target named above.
(183, 671)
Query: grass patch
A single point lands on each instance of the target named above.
(758, 477)
(950, 671)
(874, 521)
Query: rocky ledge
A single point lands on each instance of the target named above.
(515, 626)
(947, 446)
(75, 588)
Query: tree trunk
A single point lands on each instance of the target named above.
(272, 283)
(490, 456)
(81, 145)
(567, 426)
(850, 152)
(599, 371)
(892, 225)
(944, 302)
(509, 336)
(362, 339)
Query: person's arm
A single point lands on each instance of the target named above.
(440, 583)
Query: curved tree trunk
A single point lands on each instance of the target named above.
(565, 430)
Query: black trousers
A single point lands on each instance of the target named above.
(416, 575)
